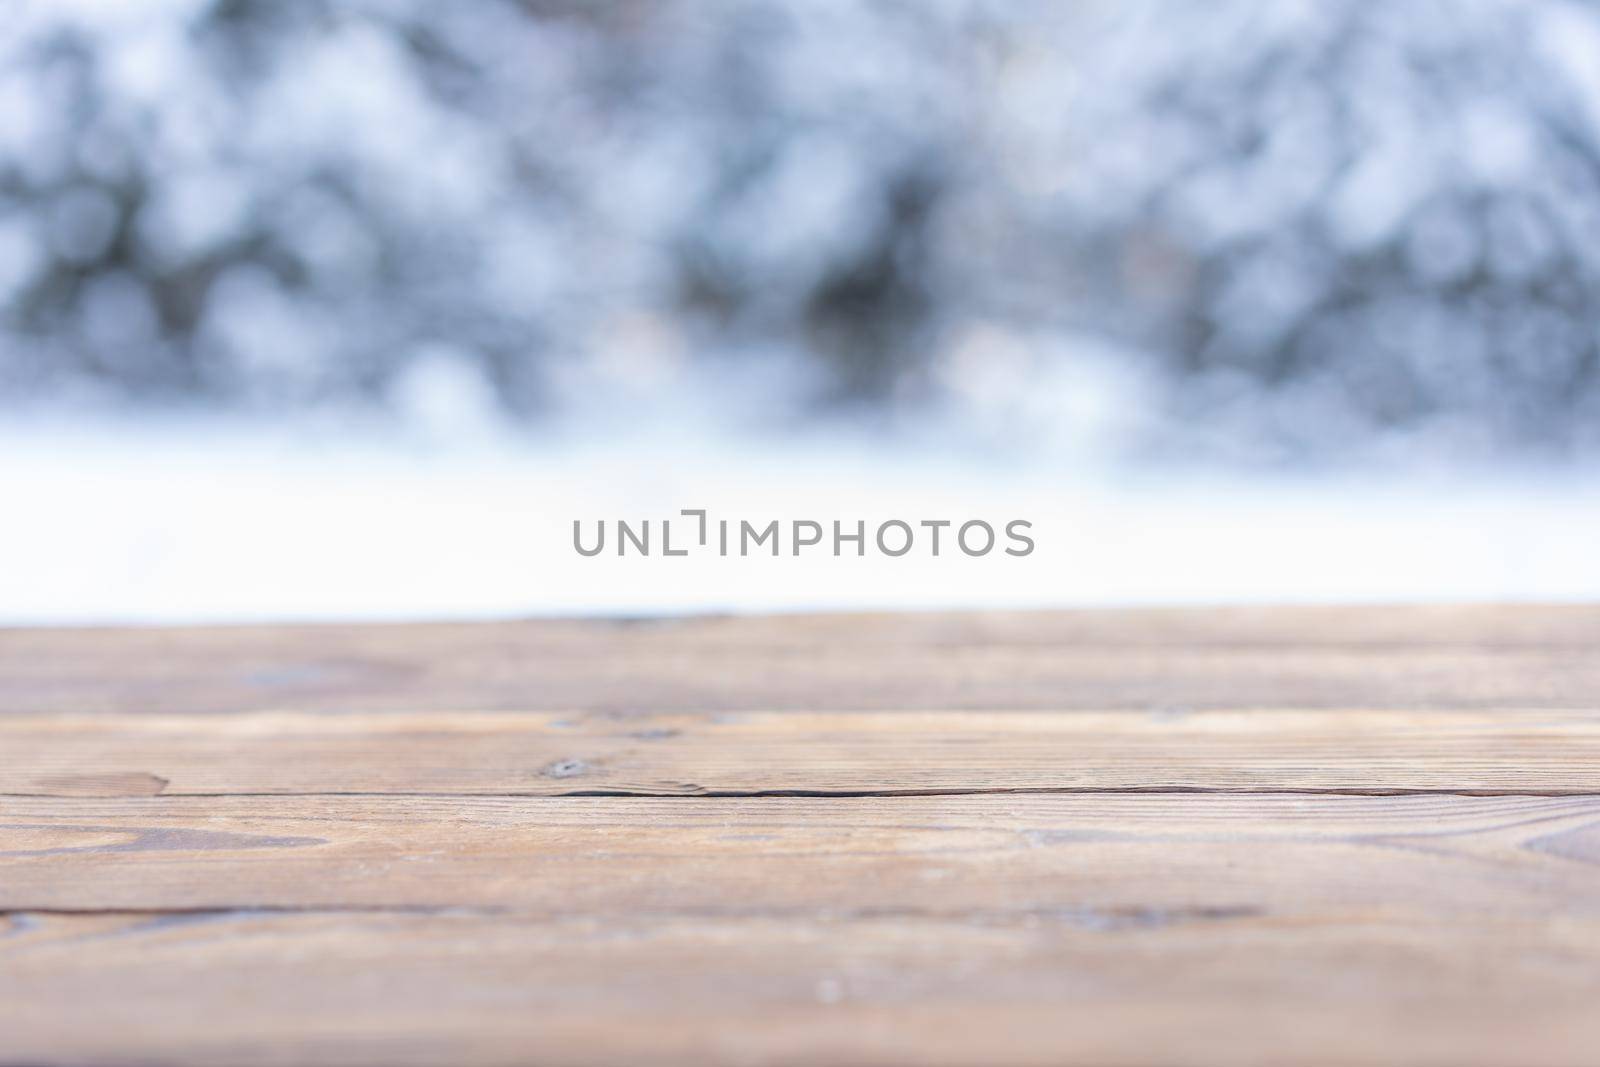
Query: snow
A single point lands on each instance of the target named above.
(227, 521)
(528, 240)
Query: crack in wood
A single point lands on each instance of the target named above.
(865, 794)
(1085, 917)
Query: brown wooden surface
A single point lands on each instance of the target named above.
(1386, 657)
(1264, 836)
(1528, 751)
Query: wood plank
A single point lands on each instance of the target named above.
(1037, 929)
(1408, 657)
(318, 988)
(1104, 858)
(355, 845)
(1528, 751)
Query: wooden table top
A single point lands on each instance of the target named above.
(1341, 835)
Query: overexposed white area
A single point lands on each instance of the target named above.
(182, 521)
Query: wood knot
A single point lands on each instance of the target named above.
(566, 768)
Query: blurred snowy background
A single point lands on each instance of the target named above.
(326, 308)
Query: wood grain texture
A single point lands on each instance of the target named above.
(1104, 857)
(255, 988)
(1274, 836)
(1394, 657)
(555, 754)
(1040, 929)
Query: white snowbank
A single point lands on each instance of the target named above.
(104, 522)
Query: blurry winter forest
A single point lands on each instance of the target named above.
(1262, 230)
